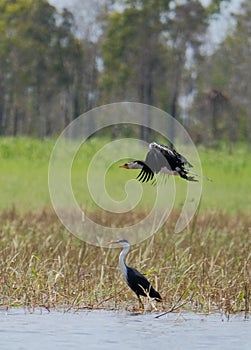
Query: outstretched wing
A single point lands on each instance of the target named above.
(173, 158)
(146, 174)
(161, 158)
(182, 159)
(154, 162)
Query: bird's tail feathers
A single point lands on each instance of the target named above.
(195, 174)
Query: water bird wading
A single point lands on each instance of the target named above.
(161, 159)
(135, 280)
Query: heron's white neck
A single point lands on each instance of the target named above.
(134, 165)
(122, 256)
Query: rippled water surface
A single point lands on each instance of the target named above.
(120, 330)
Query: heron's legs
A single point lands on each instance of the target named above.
(141, 305)
(152, 305)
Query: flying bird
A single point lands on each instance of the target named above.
(134, 279)
(164, 160)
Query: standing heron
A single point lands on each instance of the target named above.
(164, 160)
(134, 279)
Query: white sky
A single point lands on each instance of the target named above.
(219, 27)
(86, 10)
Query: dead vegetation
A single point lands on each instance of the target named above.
(205, 268)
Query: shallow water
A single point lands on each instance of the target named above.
(120, 330)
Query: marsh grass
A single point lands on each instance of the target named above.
(205, 268)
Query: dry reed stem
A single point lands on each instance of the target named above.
(206, 268)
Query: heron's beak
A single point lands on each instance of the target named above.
(115, 244)
(112, 242)
(124, 166)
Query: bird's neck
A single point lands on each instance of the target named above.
(137, 164)
(122, 263)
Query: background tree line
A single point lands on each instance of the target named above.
(150, 51)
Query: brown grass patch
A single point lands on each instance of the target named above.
(205, 268)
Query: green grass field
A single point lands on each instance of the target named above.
(24, 177)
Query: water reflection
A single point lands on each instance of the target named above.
(119, 330)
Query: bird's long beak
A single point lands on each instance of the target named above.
(112, 242)
(124, 166)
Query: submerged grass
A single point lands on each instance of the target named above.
(206, 268)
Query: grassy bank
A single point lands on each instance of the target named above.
(207, 269)
(24, 177)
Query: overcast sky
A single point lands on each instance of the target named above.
(86, 10)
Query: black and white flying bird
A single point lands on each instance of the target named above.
(134, 279)
(164, 160)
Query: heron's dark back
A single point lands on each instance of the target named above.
(140, 285)
(161, 156)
